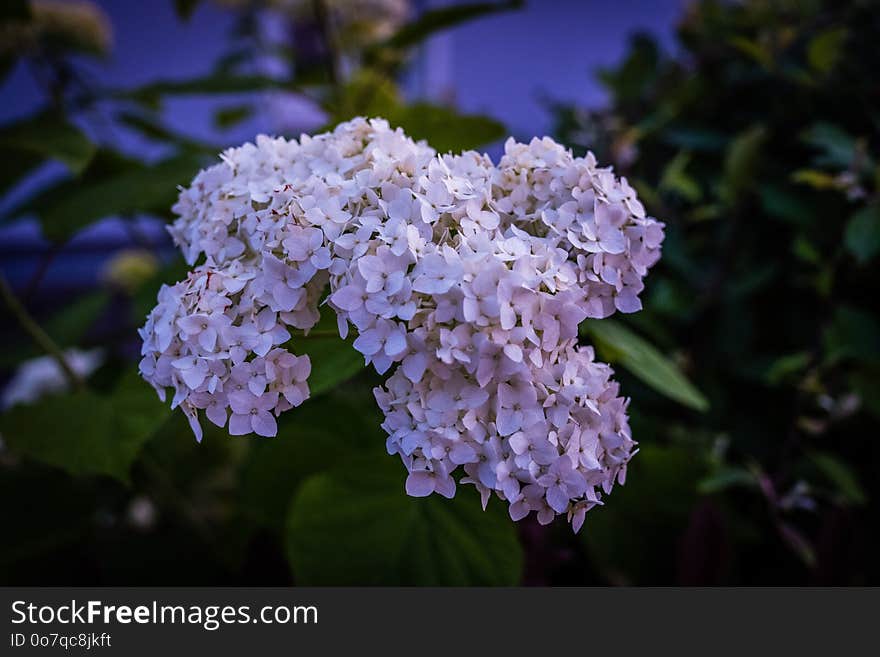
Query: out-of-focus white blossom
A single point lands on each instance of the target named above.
(464, 279)
(38, 377)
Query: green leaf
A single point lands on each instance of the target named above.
(676, 180)
(311, 438)
(47, 135)
(724, 478)
(782, 368)
(86, 433)
(148, 189)
(185, 8)
(825, 49)
(838, 148)
(741, 163)
(226, 117)
(852, 335)
(754, 50)
(210, 84)
(866, 384)
(862, 236)
(785, 204)
(841, 476)
(152, 128)
(436, 20)
(357, 526)
(617, 344)
(632, 79)
(445, 129)
(815, 179)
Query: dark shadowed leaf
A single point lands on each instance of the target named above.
(838, 148)
(786, 204)
(862, 236)
(87, 433)
(15, 10)
(211, 84)
(825, 49)
(185, 8)
(724, 478)
(226, 117)
(149, 189)
(741, 163)
(853, 334)
(357, 526)
(152, 128)
(314, 437)
(47, 135)
(840, 475)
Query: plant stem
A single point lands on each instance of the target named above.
(37, 334)
(325, 26)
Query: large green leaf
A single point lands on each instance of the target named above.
(85, 432)
(47, 135)
(436, 20)
(357, 526)
(311, 438)
(617, 344)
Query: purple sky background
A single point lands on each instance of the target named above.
(500, 65)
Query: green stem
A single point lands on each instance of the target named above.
(37, 334)
(322, 16)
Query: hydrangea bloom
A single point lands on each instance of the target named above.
(465, 279)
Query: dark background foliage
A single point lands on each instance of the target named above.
(753, 369)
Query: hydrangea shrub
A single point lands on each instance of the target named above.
(463, 279)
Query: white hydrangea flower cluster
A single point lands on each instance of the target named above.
(214, 338)
(472, 277)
